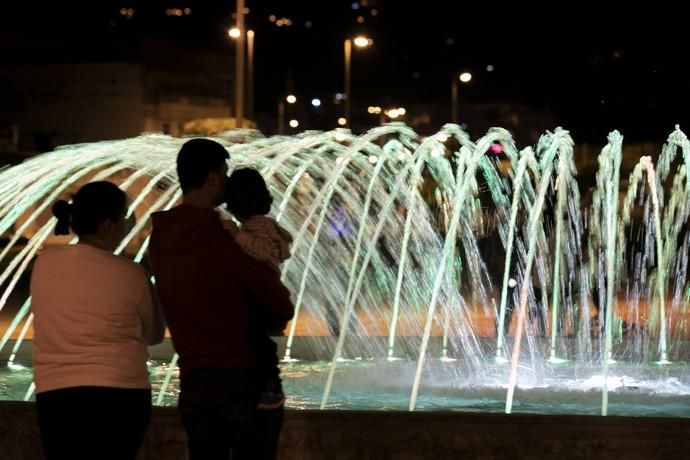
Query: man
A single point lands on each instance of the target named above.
(206, 285)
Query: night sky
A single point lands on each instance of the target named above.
(593, 70)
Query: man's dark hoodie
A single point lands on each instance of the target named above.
(209, 289)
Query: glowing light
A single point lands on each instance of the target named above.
(291, 98)
(272, 18)
(294, 123)
(442, 137)
(489, 68)
(393, 113)
(465, 77)
(373, 159)
(360, 19)
(316, 102)
(234, 32)
(362, 42)
(342, 121)
(340, 136)
(496, 148)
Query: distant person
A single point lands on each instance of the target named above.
(213, 295)
(249, 200)
(94, 315)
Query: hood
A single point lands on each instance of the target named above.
(177, 230)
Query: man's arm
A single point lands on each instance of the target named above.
(263, 284)
(151, 314)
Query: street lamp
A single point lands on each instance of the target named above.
(250, 74)
(464, 77)
(360, 42)
(236, 34)
(290, 99)
(239, 67)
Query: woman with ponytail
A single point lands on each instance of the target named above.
(95, 313)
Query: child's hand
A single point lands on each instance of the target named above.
(231, 227)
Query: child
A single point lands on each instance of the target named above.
(249, 200)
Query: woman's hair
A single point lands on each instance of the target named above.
(246, 194)
(93, 204)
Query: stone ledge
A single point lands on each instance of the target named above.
(344, 435)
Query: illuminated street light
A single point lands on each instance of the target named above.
(360, 42)
(464, 77)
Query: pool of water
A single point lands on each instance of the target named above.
(634, 390)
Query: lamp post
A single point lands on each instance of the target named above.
(359, 42)
(290, 99)
(250, 74)
(236, 34)
(464, 77)
(239, 67)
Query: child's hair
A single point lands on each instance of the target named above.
(246, 193)
(93, 204)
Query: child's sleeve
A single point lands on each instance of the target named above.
(257, 245)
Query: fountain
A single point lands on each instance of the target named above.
(410, 257)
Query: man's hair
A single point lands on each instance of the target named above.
(197, 158)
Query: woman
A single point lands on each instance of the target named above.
(94, 315)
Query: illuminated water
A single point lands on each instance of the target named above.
(567, 389)
(412, 252)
